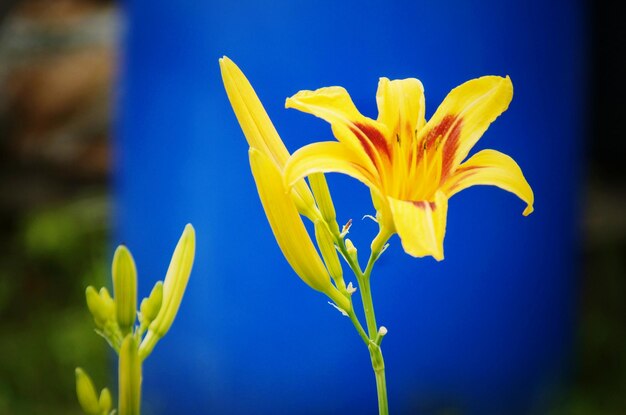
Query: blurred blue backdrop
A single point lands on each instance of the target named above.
(486, 331)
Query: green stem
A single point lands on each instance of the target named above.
(359, 328)
(378, 364)
(373, 338)
(129, 373)
(147, 344)
(368, 306)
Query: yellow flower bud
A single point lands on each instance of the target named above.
(129, 372)
(86, 393)
(173, 289)
(289, 231)
(324, 200)
(327, 247)
(259, 130)
(125, 288)
(150, 306)
(105, 401)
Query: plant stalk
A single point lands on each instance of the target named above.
(373, 338)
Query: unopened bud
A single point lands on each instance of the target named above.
(97, 307)
(86, 393)
(105, 401)
(351, 249)
(125, 288)
(108, 302)
(150, 306)
(329, 253)
(173, 289)
(319, 186)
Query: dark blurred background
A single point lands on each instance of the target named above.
(57, 61)
(57, 72)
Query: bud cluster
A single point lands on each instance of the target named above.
(115, 319)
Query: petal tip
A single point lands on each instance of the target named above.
(529, 209)
(224, 61)
(189, 229)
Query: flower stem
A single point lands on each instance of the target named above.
(373, 338)
(368, 305)
(378, 364)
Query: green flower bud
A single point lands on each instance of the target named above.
(150, 306)
(105, 401)
(351, 249)
(86, 393)
(129, 372)
(108, 302)
(319, 186)
(173, 289)
(329, 253)
(125, 288)
(97, 307)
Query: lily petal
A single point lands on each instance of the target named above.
(257, 126)
(401, 106)
(334, 105)
(327, 157)
(289, 231)
(421, 225)
(490, 167)
(464, 116)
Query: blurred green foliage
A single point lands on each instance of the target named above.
(46, 261)
(598, 381)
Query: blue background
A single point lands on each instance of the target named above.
(488, 330)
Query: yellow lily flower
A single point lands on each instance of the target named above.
(411, 166)
(283, 208)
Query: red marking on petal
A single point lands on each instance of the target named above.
(450, 129)
(465, 172)
(423, 203)
(373, 136)
(439, 130)
(365, 143)
(465, 169)
(450, 147)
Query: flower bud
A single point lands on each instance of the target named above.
(173, 289)
(125, 288)
(351, 249)
(319, 186)
(105, 401)
(97, 307)
(289, 230)
(86, 393)
(129, 372)
(329, 253)
(108, 302)
(150, 306)
(259, 130)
